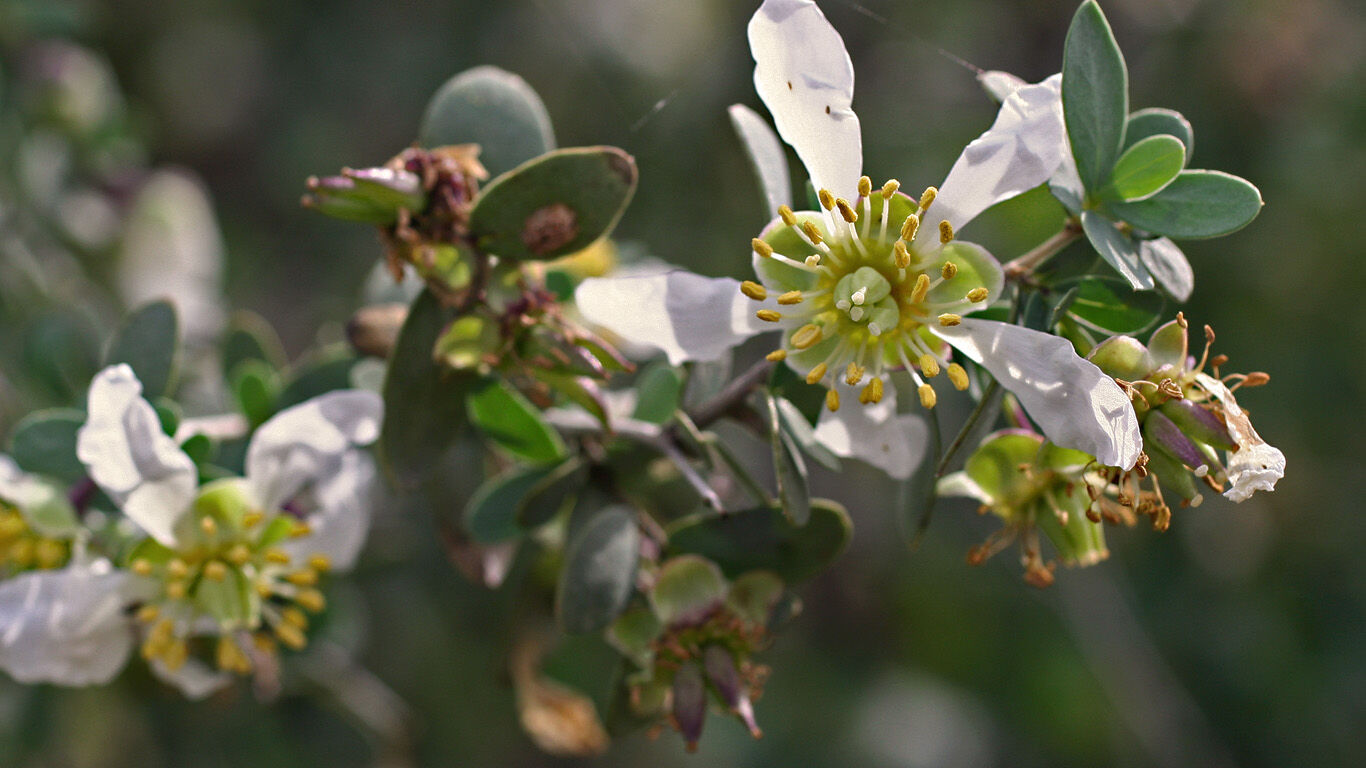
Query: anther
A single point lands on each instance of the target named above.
(978, 294)
(827, 199)
(832, 400)
(1209, 335)
(902, 254)
(922, 287)
(949, 319)
(290, 635)
(753, 290)
(945, 232)
(949, 270)
(776, 356)
(208, 525)
(760, 247)
(853, 374)
(769, 315)
(1256, 379)
(177, 569)
(253, 519)
(1218, 360)
(785, 213)
(294, 617)
(958, 376)
(927, 396)
(813, 260)
(277, 556)
(300, 529)
(148, 613)
(865, 186)
(215, 571)
(239, 555)
(928, 198)
(1181, 320)
(811, 232)
(859, 296)
(846, 211)
(929, 366)
(791, 297)
(311, 600)
(909, 227)
(816, 374)
(320, 563)
(871, 393)
(807, 336)
(142, 567)
(305, 578)
(890, 188)
(176, 590)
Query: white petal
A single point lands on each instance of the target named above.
(688, 316)
(1021, 150)
(1169, 266)
(766, 154)
(139, 466)
(875, 433)
(194, 678)
(803, 74)
(339, 518)
(1256, 465)
(959, 484)
(999, 85)
(66, 627)
(44, 506)
(1075, 404)
(303, 444)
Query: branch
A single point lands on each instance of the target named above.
(1022, 267)
(734, 394)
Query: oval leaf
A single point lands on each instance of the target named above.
(1155, 121)
(790, 471)
(513, 423)
(657, 394)
(44, 443)
(687, 588)
(1147, 167)
(491, 514)
(548, 497)
(1108, 305)
(599, 571)
(492, 108)
(555, 204)
(1095, 94)
(765, 539)
(148, 342)
(1196, 204)
(1118, 249)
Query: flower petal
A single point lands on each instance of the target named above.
(688, 316)
(766, 154)
(66, 627)
(1169, 266)
(874, 433)
(340, 512)
(1021, 150)
(304, 444)
(131, 458)
(1000, 85)
(959, 484)
(195, 679)
(805, 77)
(1256, 465)
(44, 506)
(1075, 404)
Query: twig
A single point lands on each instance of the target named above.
(733, 394)
(1021, 267)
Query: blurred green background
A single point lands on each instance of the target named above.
(1237, 638)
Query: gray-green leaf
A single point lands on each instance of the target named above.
(599, 571)
(148, 342)
(44, 443)
(1155, 121)
(1197, 204)
(1095, 94)
(1147, 166)
(492, 108)
(1118, 249)
(507, 418)
(764, 538)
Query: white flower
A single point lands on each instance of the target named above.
(38, 525)
(236, 560)
(881, 283)
(1256, 465)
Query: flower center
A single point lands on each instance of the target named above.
(230, 571)
(859, 297)
(22, 548)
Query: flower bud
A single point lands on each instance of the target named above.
(1162, 432)
(689, 703)
(1198, 423)
(725, 678)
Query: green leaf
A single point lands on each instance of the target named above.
(491, 514)
(1118, 249)
(44, 443)
(424, 407)
(1110, 306)
(766, 156)
(599, 574)
(1095, 94)
(755, 594)
(633, 634)
(658, 392)
(686, 588)
(803, 434)
(492, 108)
(1197, 204)
(555, 204)
(62, 354)
(788, 468)
(550, 494)
(996, 466)
(148, 342)
(251, 337)
(328, 372)
(764, 538)
(580, 390)
(512, 422)
(255, 385)
(1155, 121)
(1148, 166)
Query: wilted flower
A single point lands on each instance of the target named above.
(877, 281)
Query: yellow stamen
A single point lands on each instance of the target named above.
(853, 374)
(304, 578)
(865, 186)
(291, 636)
(816, 374)
(239, 555)
(945, 232)
(142, 567)
(978, 294)
(922, 287)
(832, 400)
(176, 590)
(277, 555)
(208, 525)
(949, 319)
(927, 396)
(871, 393)
(827, 199)
(789, 218)
(769, 315)
(928, 198)
(929, 366)
(811, 232)
(175, 654)
(776, 356)
(311, 600)
(231, 658)
(902, 254)
(846, 211)
(51, 553)
(148, 613)
(320, 563)
(300, 529)
(760, 247)
(806, 336)
(215, 570)
(890, 188)
(177, 569)
(909, 227)
(754, 290)
(958, 376)
(791, 297)
(253, 519)
(949, 270)
(294, 617)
